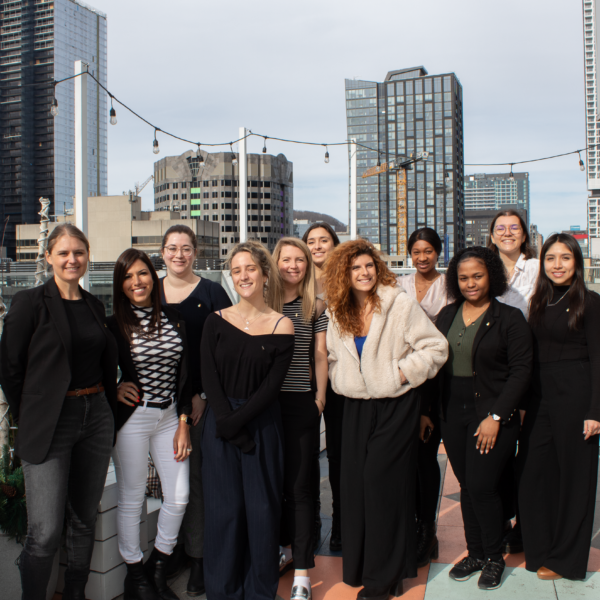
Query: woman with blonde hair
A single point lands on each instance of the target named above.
(302, 400)
(245, 354)
(381, 347)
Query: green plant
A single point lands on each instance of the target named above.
(13, 506)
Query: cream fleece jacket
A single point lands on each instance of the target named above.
(401, 337)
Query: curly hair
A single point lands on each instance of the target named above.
(493, 263)
(337, 284)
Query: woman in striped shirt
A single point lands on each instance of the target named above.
(302, 401)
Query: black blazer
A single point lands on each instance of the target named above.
(129, 372)
(502, 359)
(35, 364)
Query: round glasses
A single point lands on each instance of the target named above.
(503, 230)
(187, 251)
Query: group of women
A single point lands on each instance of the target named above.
(236, 393)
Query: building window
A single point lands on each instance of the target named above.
(175, 186)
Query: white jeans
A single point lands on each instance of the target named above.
(150, 429)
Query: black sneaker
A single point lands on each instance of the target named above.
(513, 540)
(491, 577)
(466, 568)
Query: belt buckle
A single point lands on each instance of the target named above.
(77, 392)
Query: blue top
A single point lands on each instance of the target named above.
(360, 342)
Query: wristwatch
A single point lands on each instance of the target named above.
(496, 417)
(185, 419)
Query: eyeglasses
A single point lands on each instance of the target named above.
(503, 230)
(187, 251)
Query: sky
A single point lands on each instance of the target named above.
(204, 69)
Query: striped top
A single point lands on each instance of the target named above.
(298, 375)
(156, 357)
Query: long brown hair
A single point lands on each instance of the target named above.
(307, 288)
(526, 248)
(544, 289)
(126, 318)
(337, 283)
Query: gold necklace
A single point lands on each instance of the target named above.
(248, 322)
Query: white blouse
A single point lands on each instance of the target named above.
(521, 284)
(435, 299)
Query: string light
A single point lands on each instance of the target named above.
(54, 107)
(581, 165)
(326, 154)
(200, 157)
(113, 113)
(234, 160)
(265, 146)
(155, 147)
(511, 176)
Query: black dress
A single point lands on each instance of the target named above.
(558, 469)
(242, 448)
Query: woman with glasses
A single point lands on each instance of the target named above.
(194, 298)
(510, 240)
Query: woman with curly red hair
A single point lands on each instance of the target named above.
(381, 347)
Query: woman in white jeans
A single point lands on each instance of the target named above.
(154, 403)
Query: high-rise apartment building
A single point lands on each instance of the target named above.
(591, 37)
(39, 42)
(493, 192)
(410, 112)
(208, 190)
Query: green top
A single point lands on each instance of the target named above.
(460, 342)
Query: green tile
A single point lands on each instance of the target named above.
(517, 585)
(590, 588)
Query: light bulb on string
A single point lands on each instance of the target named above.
(378, 160)
(581, 163)
(265, 146)
(511, 176)
(326, 155)
(201, 161)
(113, 113)
(234, 160)
(54, 107)
(155, 147)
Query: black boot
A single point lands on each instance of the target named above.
(178, 561)
(137, 585)
(74, 592)
(335, 540)
(156, 570)
(195, 586)
(427, 543)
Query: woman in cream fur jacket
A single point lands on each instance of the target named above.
(381, 347)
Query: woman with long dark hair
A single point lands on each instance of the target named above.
(194, 298)
(245, 354)
(381, 347)
(487, 374)
(302, 400)
(154, 396)
(321, 240)
(558, 458)
(428, 287)
(58, 370)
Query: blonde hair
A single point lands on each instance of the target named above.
(307, 289)
(273, 292)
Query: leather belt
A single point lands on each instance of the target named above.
(161, 405)
(86, 391)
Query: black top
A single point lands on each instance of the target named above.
(88, 342)
(248, 367)
(129, 369)
(502, 359)
(36, 354)
(554, 341)
(207, 297)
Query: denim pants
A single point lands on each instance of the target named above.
(71, 477)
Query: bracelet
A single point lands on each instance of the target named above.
(321, 402)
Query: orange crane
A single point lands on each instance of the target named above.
(400, 168)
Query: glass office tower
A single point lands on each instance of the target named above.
(410, 112)
(39, 42)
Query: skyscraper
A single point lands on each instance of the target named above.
(493, 192)
(39, 42)
(410, 112)
(591, 37)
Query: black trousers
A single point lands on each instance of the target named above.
(378, 480)
(71, 476)
(428, 468)
(300, 417)
(478, 474)
(334, 414)
(242, 506)
(558, 471)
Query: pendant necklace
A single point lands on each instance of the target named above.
(247, 328)
(555, 303)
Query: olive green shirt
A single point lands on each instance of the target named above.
(460, 343)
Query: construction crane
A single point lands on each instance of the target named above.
(399, 167)
(138, 189)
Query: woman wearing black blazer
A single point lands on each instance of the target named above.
(487, 374)
(155, 399)
(58, 370)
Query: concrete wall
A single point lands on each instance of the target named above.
(109, 226)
